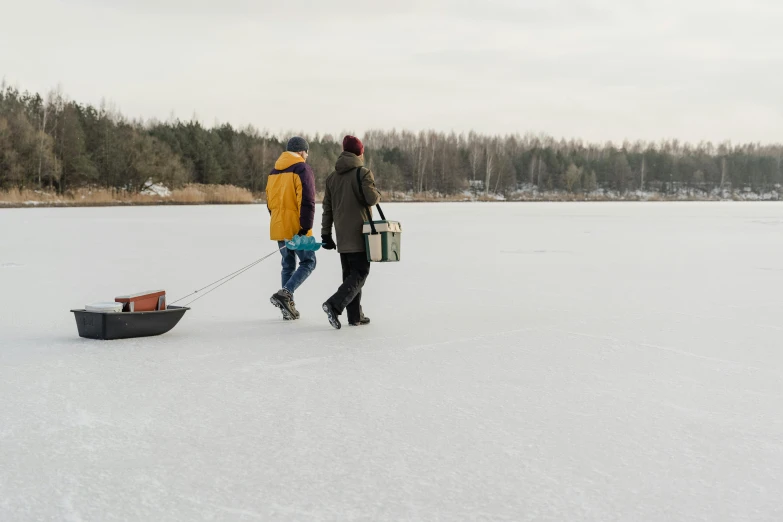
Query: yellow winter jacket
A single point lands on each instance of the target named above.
(290, 197)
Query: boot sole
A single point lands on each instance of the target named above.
(333, 320)
(288, 316)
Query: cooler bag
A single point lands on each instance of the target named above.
(381, 238)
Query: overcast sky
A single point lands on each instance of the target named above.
(593, 69)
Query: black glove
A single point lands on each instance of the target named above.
(302, 232)
(327, 242)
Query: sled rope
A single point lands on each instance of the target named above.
(225, 279)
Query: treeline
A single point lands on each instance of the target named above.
(61, 145)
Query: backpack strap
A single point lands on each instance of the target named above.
(363, 200)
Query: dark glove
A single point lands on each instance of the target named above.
(302, 232)
(327, 242)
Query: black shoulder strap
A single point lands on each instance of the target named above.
(363, 200)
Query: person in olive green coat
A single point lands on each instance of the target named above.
(346, 206)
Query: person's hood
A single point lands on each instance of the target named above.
(347, 162)
(287, 160)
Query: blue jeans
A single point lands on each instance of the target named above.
(293, 277)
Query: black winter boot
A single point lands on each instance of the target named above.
(331, 313)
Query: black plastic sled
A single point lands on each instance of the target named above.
(126, 325)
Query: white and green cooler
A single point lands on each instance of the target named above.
(382, 240)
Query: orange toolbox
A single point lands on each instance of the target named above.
(143, 302)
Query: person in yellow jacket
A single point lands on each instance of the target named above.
(290, 197)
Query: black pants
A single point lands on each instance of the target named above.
(356, 268)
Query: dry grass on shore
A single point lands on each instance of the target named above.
(195, 194)
(188, 195)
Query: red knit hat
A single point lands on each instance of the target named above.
(353, 144)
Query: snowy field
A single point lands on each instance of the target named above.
(542, 362)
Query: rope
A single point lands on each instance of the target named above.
(225, 279)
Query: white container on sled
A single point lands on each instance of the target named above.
(104, 308)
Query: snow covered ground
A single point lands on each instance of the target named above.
(547, 362)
